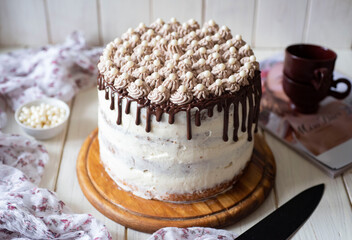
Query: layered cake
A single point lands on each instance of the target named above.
(178, 106)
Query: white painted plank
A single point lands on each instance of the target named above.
(119, 15)
(279, 23)
(329, 23)
(344, 61)
(332, 218)
(132, 234)
(22, 23)
(54, 146)
(237, 15)
(262, 54)
(347, 179)
(83, 121)
(66, 16)
(182, 10)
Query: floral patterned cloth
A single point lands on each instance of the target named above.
(26, 211)
(194, 233)
(58, 71)
(29, 212)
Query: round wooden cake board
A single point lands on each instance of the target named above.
(246, 195)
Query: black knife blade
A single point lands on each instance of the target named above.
(286, 220)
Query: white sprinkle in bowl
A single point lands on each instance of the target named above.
(44, 133)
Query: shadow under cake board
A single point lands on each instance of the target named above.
(224, 209)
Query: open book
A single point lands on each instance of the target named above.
(324, 138)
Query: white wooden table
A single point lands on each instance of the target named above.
(331, 220)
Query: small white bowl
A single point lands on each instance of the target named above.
(44, 133)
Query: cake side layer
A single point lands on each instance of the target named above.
(170, 138)
(171, 186)
(165, 163)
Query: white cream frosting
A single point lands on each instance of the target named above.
(165, 162)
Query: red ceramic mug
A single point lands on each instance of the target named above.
(308, 76)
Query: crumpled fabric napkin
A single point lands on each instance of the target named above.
(193, 233)
(58, 71)
(3, 116)
(29, 212)
(26, 211)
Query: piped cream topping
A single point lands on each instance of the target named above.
(171, 82)
(182, 96)
(154, 80)
(138, 89)
(232, 84)
(177, 57)
(220, 71)
(128, 67)
(159, 95)
(245, 51)
(206, 78)
(200, 91)
(217, 88)
(123, 81)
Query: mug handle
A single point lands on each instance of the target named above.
(340, 95)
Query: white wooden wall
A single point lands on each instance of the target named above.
(263, 23)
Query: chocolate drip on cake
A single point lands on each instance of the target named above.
(107, 93)
(197, 118)
(210, 111)
(119, 109)
(222, 103)
(171, 116)
(147, 126)
(112, 104)
(138, 115)
(226, 121)
(189, 126)
(244, 114)
(128, 106)
(235, 122)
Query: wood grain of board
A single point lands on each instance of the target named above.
(145, 215)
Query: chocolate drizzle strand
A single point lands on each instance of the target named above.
(235, 122)
(250, 94)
